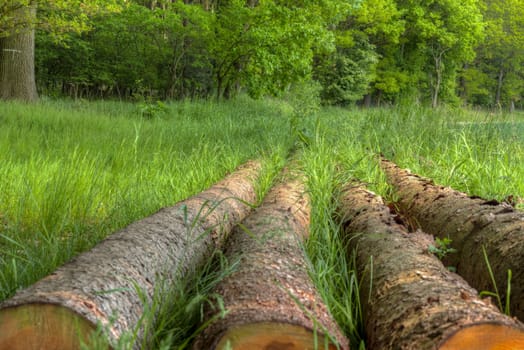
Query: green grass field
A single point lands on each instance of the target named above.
(73, 172)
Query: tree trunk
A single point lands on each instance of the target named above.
(473, 224)
(17, 60)
(271, 302)
(438, 80)
(104, 285)
(367, 100)
(463, 85)
(410, 300)
(220, 81)
(498, 94)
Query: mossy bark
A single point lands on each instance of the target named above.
(103, 285)
(410, 300)
(271, 290)
(473, 224)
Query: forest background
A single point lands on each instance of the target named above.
(370, 52)
(74, 171)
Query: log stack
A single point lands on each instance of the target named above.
(270, 300)
(480, 230)
(108, 284)
(410, 300)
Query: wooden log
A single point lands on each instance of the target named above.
(270, 299)
(410, 300)
(473, 224)
(101, 286)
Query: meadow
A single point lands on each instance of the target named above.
(72, 172)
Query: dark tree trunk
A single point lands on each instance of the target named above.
(105, 284)
(438, 80)
(17, 60)
(474, 225)
(367, 100)
(271, 301)
(410, 300)
(498, 94)
(463, 85)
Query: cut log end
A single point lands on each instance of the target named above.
(485, 337)
(273, 336)
(42, 326)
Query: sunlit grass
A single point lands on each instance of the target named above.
(71, 172)
(485, 159)
(332, 269)
(478, 153)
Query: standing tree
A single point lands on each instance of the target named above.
(445, 33)
(361, 64)
(501, 56)
(18, 20)
(268, 45)
(17, 48)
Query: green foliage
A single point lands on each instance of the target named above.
(151, 110)
(419, 46)
(58, 17)
(496, 294)
(386, 50)
(159, 52)
(13, 18)
(269, 46)
(498, 69)
(441, 248)
(303, 102)
(379, 24)
(303, 99)
(346, 74)
(183, 50)
(441, 37)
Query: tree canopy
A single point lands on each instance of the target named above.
(359, 51)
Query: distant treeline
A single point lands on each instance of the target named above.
(369, 52)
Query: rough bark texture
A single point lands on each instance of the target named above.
(271, 285)
(17, 60)
(471, 223)
(100, 284)
(410, 300)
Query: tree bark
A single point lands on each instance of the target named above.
(103, 284)
(410, 300)
(473, 224)
(463, 85)
(498, 93)
(437, 57)
(17, 59)
(271, 302)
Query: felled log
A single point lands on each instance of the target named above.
(473, 224)
(410, 300)
(270, 300)
(103, 286)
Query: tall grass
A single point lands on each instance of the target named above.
(72, 172)
(479, 153)
(455, 148)
(332, 268)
